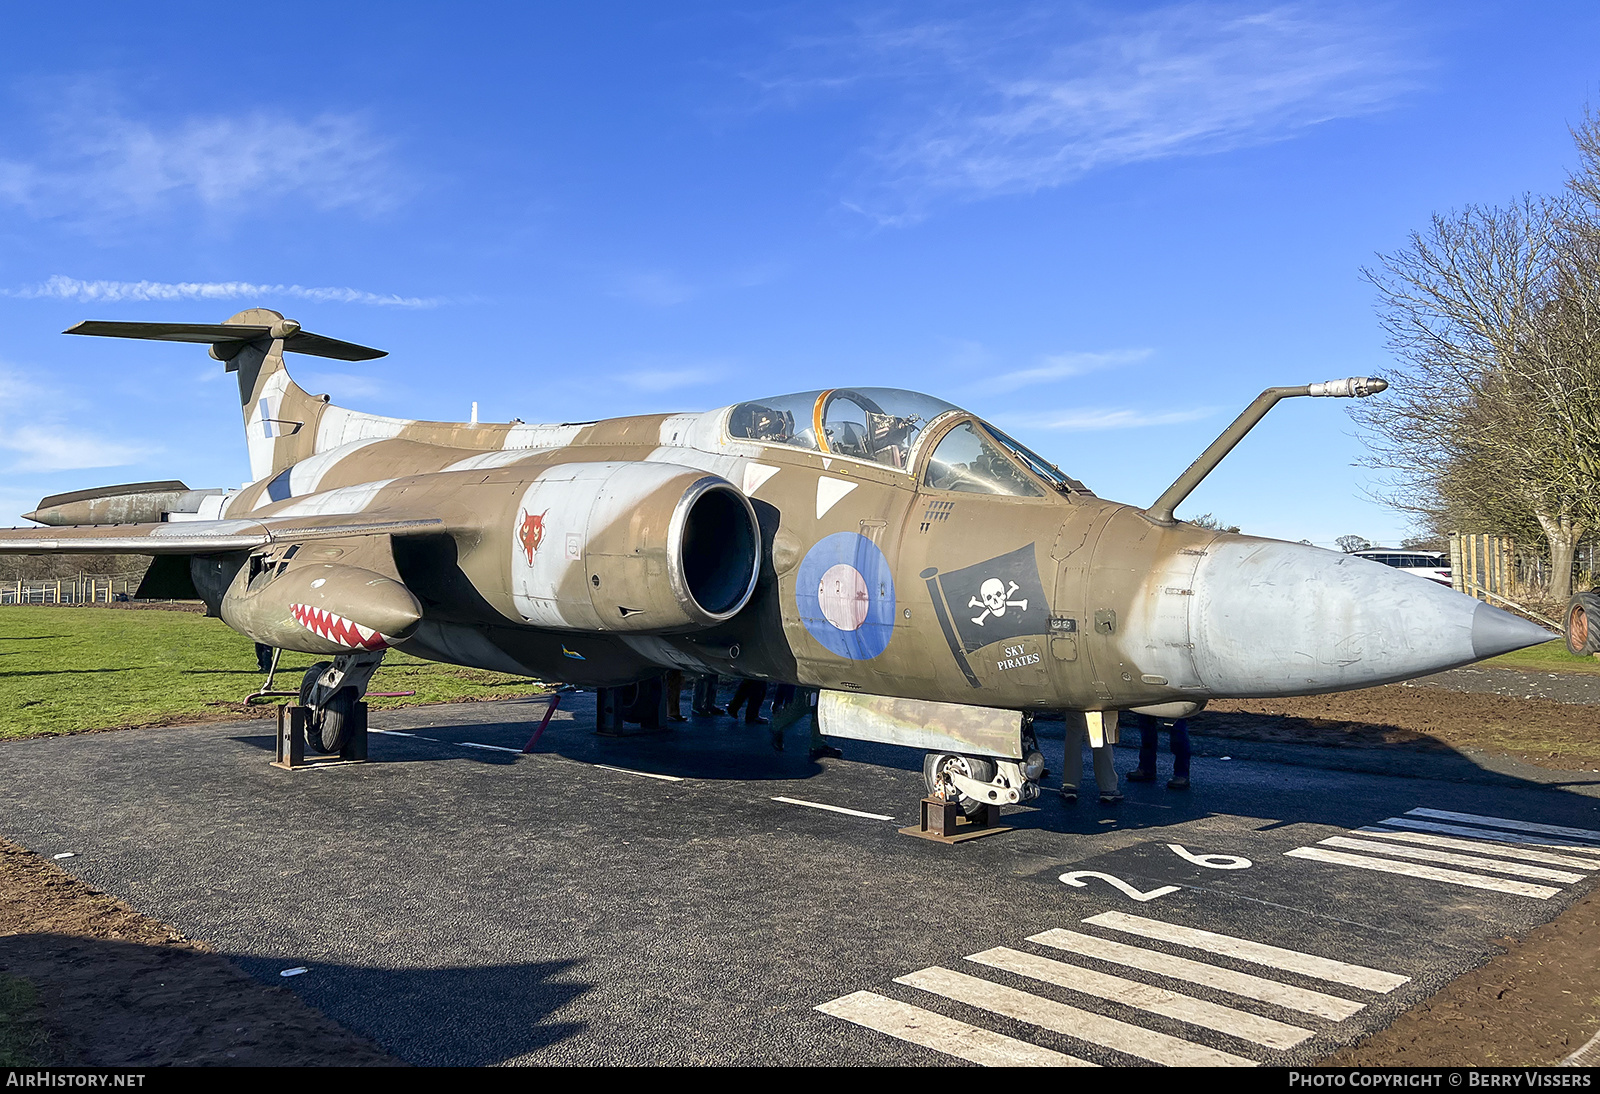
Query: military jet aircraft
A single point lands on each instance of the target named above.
(939, 582)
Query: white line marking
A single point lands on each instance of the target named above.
(1484, 848)
(642, 774)
(1518, 869)
(492, 748)
(1484, 834)
(1428, 873)
(1506, 822)
(935, 1031)
(392, 732)
(1198, 972)
(1257, 953)
(1096, 1029)
(833, 808)
(1169, 1004)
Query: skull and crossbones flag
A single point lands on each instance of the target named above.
(991, 601)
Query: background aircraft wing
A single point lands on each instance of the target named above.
(199, 537)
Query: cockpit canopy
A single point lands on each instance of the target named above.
(878, 424)
(882, 425)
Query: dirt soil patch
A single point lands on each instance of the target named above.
(1533, 1005)
(115, 988)
(1565, 736)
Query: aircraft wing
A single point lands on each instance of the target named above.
(201, 537)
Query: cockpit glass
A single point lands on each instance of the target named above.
(878, 424)
(968, 462)
(1047, 471)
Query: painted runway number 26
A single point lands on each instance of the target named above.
(1078, 878)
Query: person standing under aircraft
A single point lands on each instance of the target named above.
(705, 696)
(750, 694)
(1178, 740)
(1105, 773)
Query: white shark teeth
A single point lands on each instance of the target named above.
(337, 629)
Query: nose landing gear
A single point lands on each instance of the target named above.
(965, 793)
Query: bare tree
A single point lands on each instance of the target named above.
(1493, 421)
(1206, 520)
(1349, 544)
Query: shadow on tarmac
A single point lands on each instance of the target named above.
(113, 1003)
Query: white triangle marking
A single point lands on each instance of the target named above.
(829, 491)
(756, 475)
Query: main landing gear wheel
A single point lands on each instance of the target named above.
(935, 764)
(328, 727)
(1583, 624)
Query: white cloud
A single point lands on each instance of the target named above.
(95, 162)
(346, 385)
(669, 379)
(1095, 418)
(1061, 366)
(52, 448)
(992, 105)
(658, 290)
(41, 444)
(70, 288)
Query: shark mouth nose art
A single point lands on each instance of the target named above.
(336, 628)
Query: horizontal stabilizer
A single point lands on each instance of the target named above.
(221, 334)
(202, 537)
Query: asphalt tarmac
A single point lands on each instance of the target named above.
(651, 900)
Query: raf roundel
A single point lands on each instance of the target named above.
(845, 596)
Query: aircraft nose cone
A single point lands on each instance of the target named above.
(1271, 618)
(1495, 632)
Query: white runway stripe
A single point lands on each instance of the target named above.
(1485, 848)
(1168, 1004)
(1485, 834)
(1506, 822)
(1242, 984)
(491, 748)
(935, 1031)
(1257, 953)
(1096, 1029)
(833, 808)
(1519, 869)
(1428, 873)
(641, 774)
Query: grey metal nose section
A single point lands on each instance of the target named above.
(1271, 618)
(1495, 632)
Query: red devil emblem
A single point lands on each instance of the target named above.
(531, 534)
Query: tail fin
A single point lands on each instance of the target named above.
(280, 419)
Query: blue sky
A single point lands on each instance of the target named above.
(1104, 226)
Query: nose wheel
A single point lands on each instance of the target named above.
(937, 767)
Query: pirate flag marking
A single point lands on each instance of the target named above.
(992, 601)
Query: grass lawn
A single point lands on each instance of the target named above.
(1550, 657)
(66, 670)
(22, 1039)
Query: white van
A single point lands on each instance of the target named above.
(1428, 564)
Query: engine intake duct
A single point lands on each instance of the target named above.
(635, 548)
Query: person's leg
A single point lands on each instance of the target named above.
(752, 703)
(674, 685)
(1072, 766)
(705, 695)
(741, 697)
(1148, 738)
(1179, 737)
(1105, 774)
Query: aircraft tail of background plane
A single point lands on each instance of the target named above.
(282, 421)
